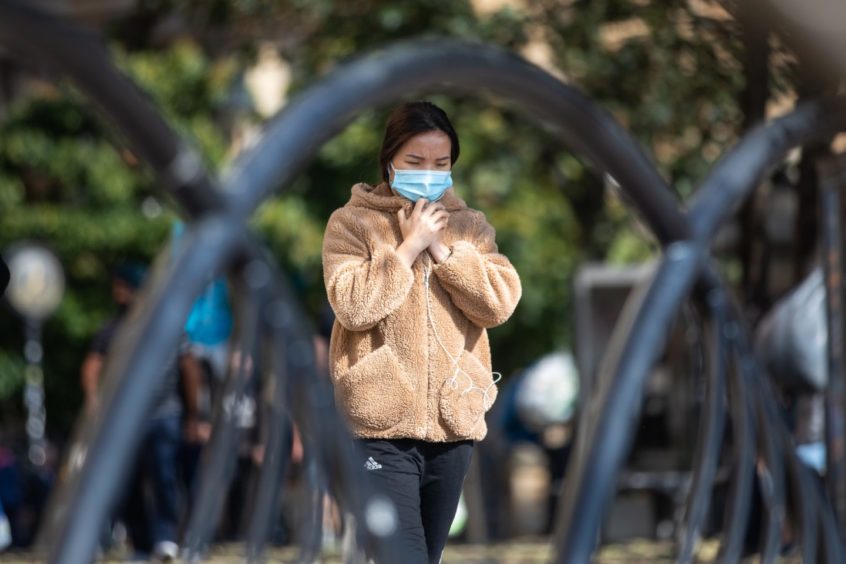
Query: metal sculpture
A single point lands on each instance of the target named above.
(268, 319)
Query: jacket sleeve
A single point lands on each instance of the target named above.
(481, 282)
(364, 285)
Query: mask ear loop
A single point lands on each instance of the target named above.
(497, 376)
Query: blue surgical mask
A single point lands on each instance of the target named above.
(416, 184)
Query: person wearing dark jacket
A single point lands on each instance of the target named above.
(151, 523)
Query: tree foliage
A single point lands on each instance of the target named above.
(68, 180)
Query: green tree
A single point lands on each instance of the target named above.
(66, 179)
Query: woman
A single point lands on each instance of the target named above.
(414, 278)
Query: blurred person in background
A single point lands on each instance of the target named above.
(207, 328)
(792, 342)
(151, 517)
(245, 414)
(209, 323)
(536, 406)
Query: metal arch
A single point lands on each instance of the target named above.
(265, 503)
(102, 450)
(297, 132)
(218, 465)
(740, 492)
(304, 125)
(739, 172)
(768, 469)
(592, 478)
(711, 429)
(312, 406)
(762, 148)
(732, 180)
(105, 445)
(312, 120)
(81, 57)
(308, 122)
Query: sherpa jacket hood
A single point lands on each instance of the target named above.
(409, 354)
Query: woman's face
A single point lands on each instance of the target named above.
(425, 151)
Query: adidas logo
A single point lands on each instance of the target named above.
(372, 464)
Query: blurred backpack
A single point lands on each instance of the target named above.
(792, 338)
(210, 320)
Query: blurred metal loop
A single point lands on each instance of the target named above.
(218, 242)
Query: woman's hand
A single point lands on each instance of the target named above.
(439, 251)
(420, 229)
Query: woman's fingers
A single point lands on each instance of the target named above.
(433, 209)
(437, 217)
(419, 207)
(441, 216)
(426, 219)
(437, 226)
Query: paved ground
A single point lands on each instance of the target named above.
(528, 551)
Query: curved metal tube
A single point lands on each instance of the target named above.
(102, 450)
(320, 424)
(711, 431)
(608, 439)
(295, 135)
(802, 475)
(831, 536)
(265, 508)
(770, 471)
(804, 499)
(82, 57)
(740, 171)
(743, 447)
(733, 179)
(290, 141)
(311, 522)
(219, 458)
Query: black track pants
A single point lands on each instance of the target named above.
(424, 481)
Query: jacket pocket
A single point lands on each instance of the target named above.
(375, 392)
(466, 396)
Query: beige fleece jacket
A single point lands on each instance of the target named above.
(409, 354)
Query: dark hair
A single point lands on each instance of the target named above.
(130, 273)
(407, 121)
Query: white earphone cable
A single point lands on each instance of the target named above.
(486, 401)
